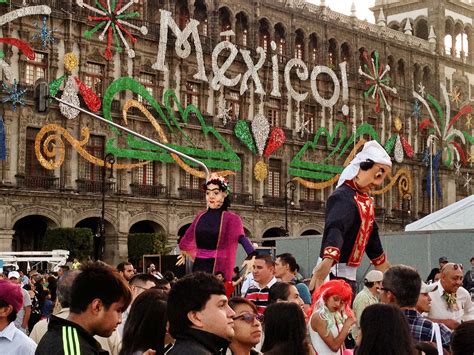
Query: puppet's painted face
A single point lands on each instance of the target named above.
(214, 196)
(369, 179)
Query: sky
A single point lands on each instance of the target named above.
(344, 6)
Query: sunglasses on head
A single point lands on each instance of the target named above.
(249, 317)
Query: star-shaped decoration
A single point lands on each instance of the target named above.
(457, 166)
(455, 95)
(14, 94)
(112, 18)
(416, 109)
(421, 89)
(224, 113)
(469, 121)
(302, 128)
(467, 182)
(44, 34)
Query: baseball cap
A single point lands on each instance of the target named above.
(443, 259)
(374, 276)
(11, 294)
(14, 274)
(425, 288)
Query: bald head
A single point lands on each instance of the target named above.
(451, 277)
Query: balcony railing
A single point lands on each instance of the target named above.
(274, 201)
(37, 182)
(149, 190)
(187, 193)
(94, 186)
(242, 199)
(312, 205)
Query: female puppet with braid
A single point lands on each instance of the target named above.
(211, 240)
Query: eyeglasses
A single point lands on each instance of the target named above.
(250, 317)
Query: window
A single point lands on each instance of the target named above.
(235, 182)
(147, 80)
(273, 113)
(32, 165)
(309, 194)
(36, 68)
(192, 182)
(145, 174)
(192, 94)
(87, 170)
(233, 104)
(274, 178)
(94, 76)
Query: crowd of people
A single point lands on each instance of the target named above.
(214, 311)
(97, 309)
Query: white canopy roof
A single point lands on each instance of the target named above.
(459, 215)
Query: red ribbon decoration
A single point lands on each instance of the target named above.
(21, 45)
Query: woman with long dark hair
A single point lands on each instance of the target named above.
(145, 327)
(284, 292)
(285, 330)
(384, 331)
(211, 240)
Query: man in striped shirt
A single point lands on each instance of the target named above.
(99, 295)
(263, 278)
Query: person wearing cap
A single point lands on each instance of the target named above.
(401, 286)
(23, 315)
(350, 228)
(369, 295)
(12, 340)
(441, 261)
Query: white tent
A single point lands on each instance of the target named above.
(459, 215)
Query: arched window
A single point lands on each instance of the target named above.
(393, 69)
(416, 75)
(421, 29)
(401, 72)
(225, 23)
(345, 52)
(200, 14)
(242, 28)
(299, 44)
(332, 53)
(183, 13)
(280, 40)
(313, 48)
(264, 34)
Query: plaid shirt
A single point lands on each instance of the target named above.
(421, 328)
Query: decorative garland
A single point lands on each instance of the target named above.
(226, 160)
(52, 151)
(377, 80)
(113, 23)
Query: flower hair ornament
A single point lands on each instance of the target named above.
(218, 180)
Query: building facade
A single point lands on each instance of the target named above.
(323, 79)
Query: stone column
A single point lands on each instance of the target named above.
(6, 239)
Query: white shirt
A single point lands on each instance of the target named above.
(246, 284)
(439, 307)
(14, 341)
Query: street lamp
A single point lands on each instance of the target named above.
(406, 206)
(292, 186)
(109, 161)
